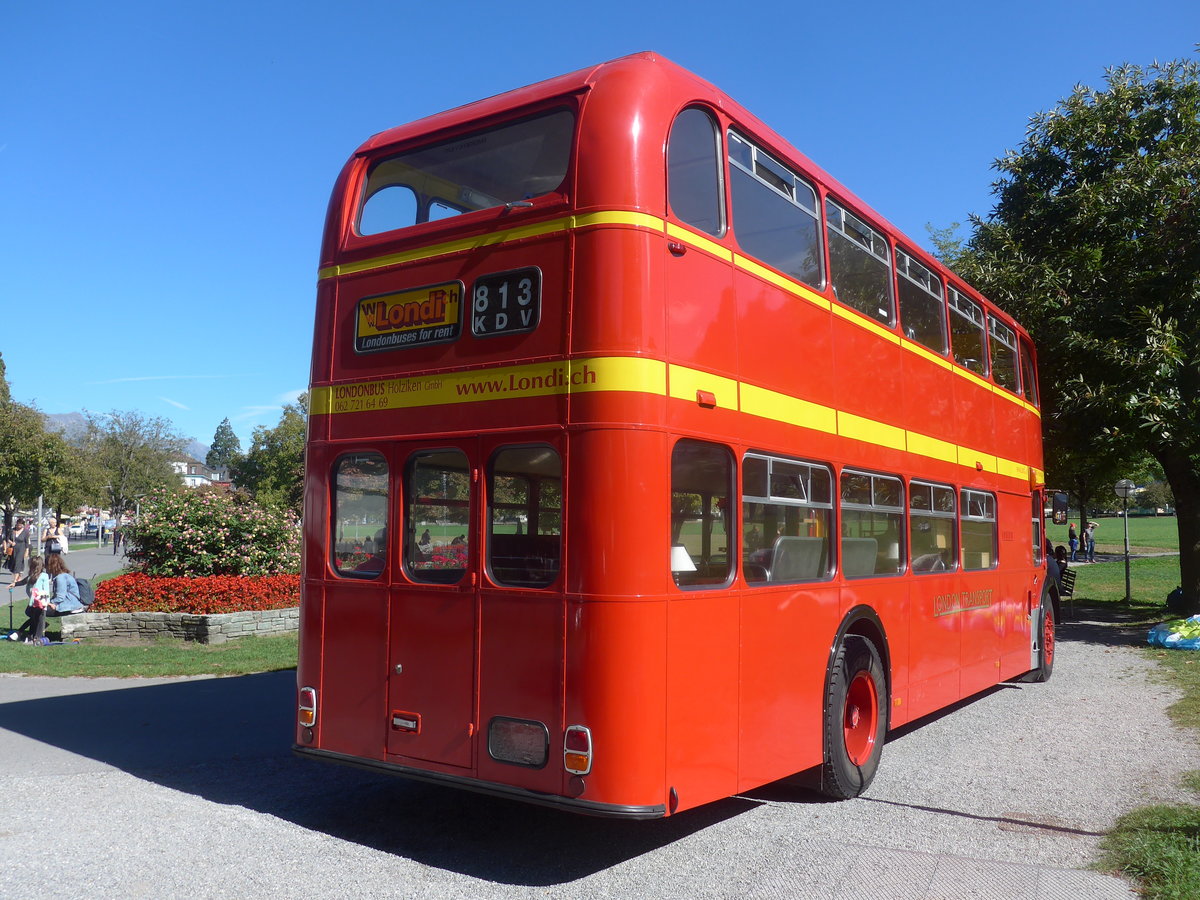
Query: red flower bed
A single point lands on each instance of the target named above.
(199, 596)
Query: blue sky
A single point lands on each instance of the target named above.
(165, 167)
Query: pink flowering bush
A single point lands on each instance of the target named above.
(203, 532)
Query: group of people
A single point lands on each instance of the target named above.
(1085, 545)
(49, 585)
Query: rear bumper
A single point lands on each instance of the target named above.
(586, 807)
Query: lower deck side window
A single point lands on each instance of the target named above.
(978, 530)
(872, 524)
(787, 518)
(701, 514)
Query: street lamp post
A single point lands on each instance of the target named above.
(1124, 488)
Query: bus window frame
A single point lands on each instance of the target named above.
(721, 184)
(409, 547)
(900, 510)
(903, 275)
(728, 515)
(914, 512)
(472, 220)
(954, 295)
(360, 574)
(770, 498)
(966, 516)
(840, 229)
(490, 506)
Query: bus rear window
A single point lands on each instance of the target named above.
(480, 170)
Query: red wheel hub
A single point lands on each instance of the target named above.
(860, 718)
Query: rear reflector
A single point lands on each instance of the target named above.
(519, 742)
(577, 750)
(308, 707)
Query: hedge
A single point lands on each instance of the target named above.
(204, 595)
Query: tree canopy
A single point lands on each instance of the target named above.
(1094, 245)
(273, 468)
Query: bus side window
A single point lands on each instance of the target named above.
(787, 517)
(360, 515)
(525, 520)
(967, 333)
(1003, 345)
(694, 172)
(922, 311)
(978, 530)
(858, 264)
(774, 213)
(1028, 373)
(701, 514)
(872, 524)
(932, 527)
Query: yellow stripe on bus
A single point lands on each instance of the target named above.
(685, 384)
(647, 376)
(757, 401)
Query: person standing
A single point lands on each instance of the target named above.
(19, 549)
(54, 533)
(1073, 540)
(1090, 537)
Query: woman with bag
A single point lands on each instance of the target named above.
(55, 533)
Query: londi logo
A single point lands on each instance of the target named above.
(425, 315)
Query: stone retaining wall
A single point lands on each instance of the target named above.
(213, 629)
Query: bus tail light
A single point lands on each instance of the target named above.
(308, 707)
(577, 750)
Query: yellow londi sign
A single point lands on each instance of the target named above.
(426, 315)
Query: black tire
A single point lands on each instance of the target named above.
(1045, 666)
(856, 706)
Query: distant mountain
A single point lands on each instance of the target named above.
(73, 424)
(70, 424)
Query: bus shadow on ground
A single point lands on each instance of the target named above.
(228, 740)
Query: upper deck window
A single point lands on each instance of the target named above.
(1028, 373)
(858, 264)
(1003, 345)
(922, 312)
(774, 212)
(966, 326)
(694, 172)
(479, 170)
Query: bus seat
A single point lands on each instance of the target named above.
(858, 556)
(797, 558)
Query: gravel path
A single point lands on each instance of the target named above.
(185, 788)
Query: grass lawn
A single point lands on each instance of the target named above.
(1147, 534)
(1158, 845)
(162, 658)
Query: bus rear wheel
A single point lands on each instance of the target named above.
(1045, 666)
(855, 719)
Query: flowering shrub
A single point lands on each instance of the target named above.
(210, 532)
(200, 596)
(445, 556)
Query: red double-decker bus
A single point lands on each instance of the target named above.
(646, 463)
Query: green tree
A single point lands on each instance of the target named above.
(1094, 244)
(273, 469)
(131, 454)
(225, 447)
(29, 455)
